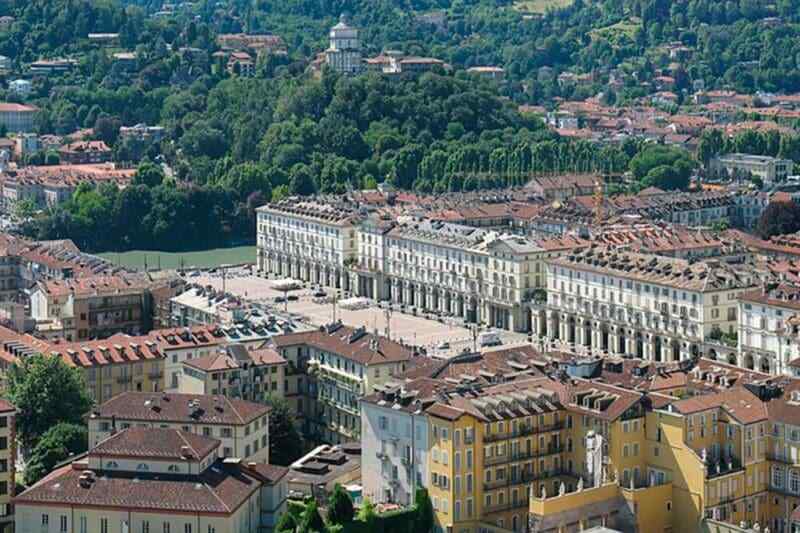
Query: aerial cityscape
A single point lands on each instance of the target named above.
(438, 266)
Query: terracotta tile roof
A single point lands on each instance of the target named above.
(180, 408)
(156, 443)
(268, 473)
(739, 402)
(347, 342)
(218, 490)
(784, 295)
(93, 285)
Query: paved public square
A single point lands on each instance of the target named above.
(416, 330)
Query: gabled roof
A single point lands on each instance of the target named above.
(156, 443)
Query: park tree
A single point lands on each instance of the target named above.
(287, 523)
(340, 506)
(424, 518)
(148, 174)
(779, 218)
(46, 392)
(57, 444)
(311, 521)
(285, 444)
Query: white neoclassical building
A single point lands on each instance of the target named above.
(769, 317)
(602, 300)
(307, 240)
(483, 276)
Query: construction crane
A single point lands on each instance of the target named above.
(598, 201)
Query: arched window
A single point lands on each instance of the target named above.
(141, 467)
(174, 468)
(112, 464)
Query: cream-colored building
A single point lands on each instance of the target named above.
(622, 303)
(8, 455)
(242, 427)
(307, 240)
(236, 372)
(145, 480)
(341, 365)
(480, 275)
(769, 317)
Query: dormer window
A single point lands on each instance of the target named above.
(142, 467)
(174, 468)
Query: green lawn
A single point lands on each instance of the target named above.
(617, 34)
(540, 6)
(205, 258)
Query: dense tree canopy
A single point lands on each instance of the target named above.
(46, 392)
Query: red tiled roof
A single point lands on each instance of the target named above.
(156, 443)
(339, 342)
(216, 491)
(180, 408)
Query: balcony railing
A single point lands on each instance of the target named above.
(525, 477)
(723, 468)
(522, 431)
(522, 456)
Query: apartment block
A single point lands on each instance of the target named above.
(768, 329)
(90, 308)
(241, 427)
(307, 240)
(237, 372)
(652, 307)
(144, 479)
(8, 456)
(17, 118)
(331, 369)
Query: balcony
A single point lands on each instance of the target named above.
(724, 468)
(124, 379)
(524, 478)
(522, 456)
(522, 431)
(155, 375)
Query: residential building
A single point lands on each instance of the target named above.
(770, 170)
(625, 303)
(142, 132)
(8, 461)
(52, 66)
(769, 317)
(181, 344)
(241, 64)
(307, 240)
(488, 72)
(91, 308)
(395, 441)
(21, 88)
(245, 42)
(236, 372)
(344, 53)
(85, 153)
(17, 118)
(241, 427)
(331, 369)
(145, 480)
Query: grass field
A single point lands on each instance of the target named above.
(203, 259)
(540, 6)
(619, 33)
